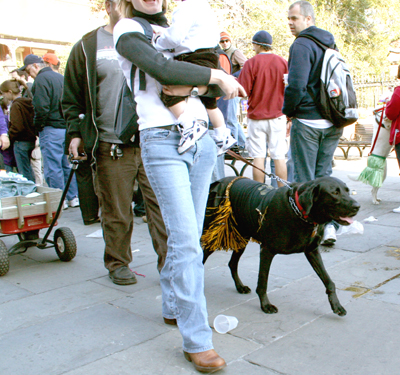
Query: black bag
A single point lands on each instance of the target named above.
(126, 119)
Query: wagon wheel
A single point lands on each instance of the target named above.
(65, 244)
(4, 259)
(28, 236)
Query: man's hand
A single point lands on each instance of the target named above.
(5, 142)
(76, 149)
(288, 126)
(228, 84)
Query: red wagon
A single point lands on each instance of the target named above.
(25, 216)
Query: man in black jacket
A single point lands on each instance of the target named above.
(50, 124)
(92, 81)
(313, 139)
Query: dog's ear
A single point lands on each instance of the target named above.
(307, 198)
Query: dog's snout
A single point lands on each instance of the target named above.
(355, 206)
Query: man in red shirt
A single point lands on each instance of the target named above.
(262, 78)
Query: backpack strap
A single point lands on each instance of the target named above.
(324, 47)
(148, 32)
(317, 42)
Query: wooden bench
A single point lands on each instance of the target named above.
(360, 139)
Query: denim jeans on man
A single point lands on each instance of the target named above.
(312, 150)
(55, 163)
(181, 184)
(22, 153)
(229, 110)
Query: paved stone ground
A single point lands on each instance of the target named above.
(69, 318)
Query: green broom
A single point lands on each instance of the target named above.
(375, 170)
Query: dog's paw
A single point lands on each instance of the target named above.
(243, 289)
(337, 308)
(340, 310)
(269, 309)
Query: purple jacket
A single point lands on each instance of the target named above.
(8, 155)
(3, 124)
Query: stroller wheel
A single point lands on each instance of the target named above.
(65, 244)
(4, 259)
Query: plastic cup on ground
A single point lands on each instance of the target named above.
(224, 324)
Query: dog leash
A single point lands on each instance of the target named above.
(377, 132)
(270, 175)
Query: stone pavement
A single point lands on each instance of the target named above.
(69, 318)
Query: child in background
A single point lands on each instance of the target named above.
(193, 37)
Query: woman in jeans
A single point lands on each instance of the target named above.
(180, 182)
(21, 130)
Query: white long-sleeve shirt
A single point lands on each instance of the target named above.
(194, 26)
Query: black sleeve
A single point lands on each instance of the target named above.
(135, 48)
(75, 83)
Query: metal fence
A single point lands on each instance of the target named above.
(370, 88)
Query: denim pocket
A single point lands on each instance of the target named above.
(154, 134)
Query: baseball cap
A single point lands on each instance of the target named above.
(51, 58)
(31, 59)
(262, 38)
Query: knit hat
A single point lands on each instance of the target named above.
(262, 38)
(225, 35)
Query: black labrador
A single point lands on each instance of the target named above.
(286, 220)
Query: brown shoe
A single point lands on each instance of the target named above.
(171, 322)
(208, 361)
(122, 276)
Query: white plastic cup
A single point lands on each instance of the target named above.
(224, 324)
(285, 79)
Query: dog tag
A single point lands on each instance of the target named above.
(314, 231)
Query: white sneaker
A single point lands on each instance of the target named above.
(65, 205)
(225, 143)
(74, 202)
(329, 238)
(396, 210)
(191, 135)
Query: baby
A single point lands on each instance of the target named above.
(192, 38)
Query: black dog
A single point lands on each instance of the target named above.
(284, 221)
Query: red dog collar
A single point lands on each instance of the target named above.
(301, 209)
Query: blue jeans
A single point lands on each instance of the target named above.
(312, 150)
(229, 110)
(290, 167)
(181, 184)
(22, 153)
(55, 163)
(219, 168)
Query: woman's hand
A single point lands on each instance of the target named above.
(228, 84)
(5, 142)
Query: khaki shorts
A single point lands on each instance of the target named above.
(261, 132)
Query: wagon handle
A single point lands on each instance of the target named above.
(21, 221)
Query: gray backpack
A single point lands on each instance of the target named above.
(338, 102)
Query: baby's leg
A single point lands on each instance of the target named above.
(178, 109)
(222, 135)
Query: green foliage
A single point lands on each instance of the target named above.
(96, 5)
(363, 29)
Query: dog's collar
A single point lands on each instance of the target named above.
(298, 209)
(301, 209)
